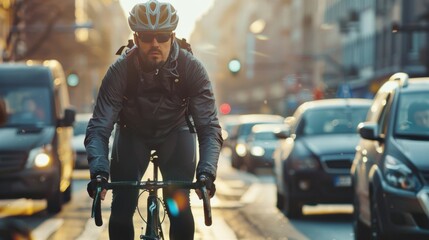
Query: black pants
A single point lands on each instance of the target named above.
(130, 159)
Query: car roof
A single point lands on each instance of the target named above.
(402, 81)
(250, 118)
(332, 102)
(269, 127)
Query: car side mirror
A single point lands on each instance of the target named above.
(69, 117)
(283, 134)
(369, 131)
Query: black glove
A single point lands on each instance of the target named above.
(207, 180)
(98, 181)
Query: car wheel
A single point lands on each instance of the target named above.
(234, 163)
(291, 207)
(280, 201)
(67, 195)
(248, 166)
(376, 232)
(55, 200)
(360, 229)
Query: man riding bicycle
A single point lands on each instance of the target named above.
(150, 92)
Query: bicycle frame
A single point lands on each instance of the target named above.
(153, 224)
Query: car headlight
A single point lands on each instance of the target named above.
(240, 149)
(257, 151)
(305, 163)
(40, 157)
(399, 175)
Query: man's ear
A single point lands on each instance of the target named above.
(173, 36)
(136, 39)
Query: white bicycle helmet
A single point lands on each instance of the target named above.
(153, 16)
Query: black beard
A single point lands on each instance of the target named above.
(150, 65)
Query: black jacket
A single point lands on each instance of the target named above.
(157, 110)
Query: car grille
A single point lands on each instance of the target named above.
(12, 161)
(340, 163)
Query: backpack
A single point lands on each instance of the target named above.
(132, 82)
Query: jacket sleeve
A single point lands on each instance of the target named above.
(105, 114)
(202, 108)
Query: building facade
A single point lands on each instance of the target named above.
(83, 35)
(306, 49)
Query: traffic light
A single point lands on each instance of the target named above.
(225, 108)
(72, 79)
(234, 66)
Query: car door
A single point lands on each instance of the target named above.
(370, 151)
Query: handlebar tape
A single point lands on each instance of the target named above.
(207, 207)
(96, 208)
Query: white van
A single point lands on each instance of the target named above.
(36, 154)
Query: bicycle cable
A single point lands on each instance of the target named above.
(161, 203)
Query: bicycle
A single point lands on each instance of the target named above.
(153, 220)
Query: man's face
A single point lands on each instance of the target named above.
(154, 47)
(422, 118)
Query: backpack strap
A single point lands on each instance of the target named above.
(132, 73)
(184, 44)
(184, 90)
(129, 45)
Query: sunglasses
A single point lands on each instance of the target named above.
(148, 37)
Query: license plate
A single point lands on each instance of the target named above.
(342, 181)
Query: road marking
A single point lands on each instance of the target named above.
(91, 231)
(46, 229)
(21, 206)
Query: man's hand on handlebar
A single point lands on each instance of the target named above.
(207, 181)
(98, 181)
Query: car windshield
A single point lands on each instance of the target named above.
(412, 117)
(27, 106)
(267, 136)
(331, 121)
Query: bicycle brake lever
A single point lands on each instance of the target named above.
(207, 207)
(96, 208)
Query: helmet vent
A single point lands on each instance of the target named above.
(152, 6)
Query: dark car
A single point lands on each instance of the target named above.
(79, 132)
(260, 145)
(36, 154)
(390, 171)
(240, 132)
(312, 163)
(227, 122)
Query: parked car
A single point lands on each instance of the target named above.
(80, 126)
(79, 133)
(227, 122)
(260, 145)
(312, 163)
(240, 131)
(390, 171)
(36, 154)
